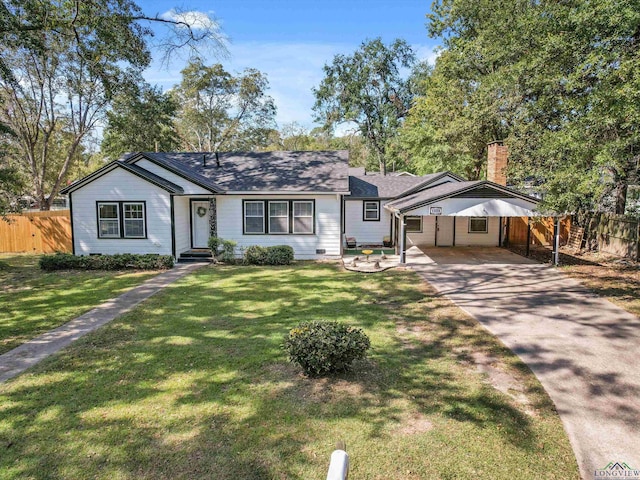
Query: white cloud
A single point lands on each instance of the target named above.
(427, 53)
(196, 20)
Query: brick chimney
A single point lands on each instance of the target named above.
(497, 158)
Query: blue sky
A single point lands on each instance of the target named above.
(290, 41)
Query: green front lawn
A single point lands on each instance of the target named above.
(194, 384)
(33, 302)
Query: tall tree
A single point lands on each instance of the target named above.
(140, 120)
(219, 111)
(451, 122)
(562, 80)
(293, 136)
(370, 88)
(11, 182)
(61, 63)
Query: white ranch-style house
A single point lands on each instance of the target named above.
(171, 203)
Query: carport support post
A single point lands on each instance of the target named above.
(528, 235)
(403, 241)
(556, 241)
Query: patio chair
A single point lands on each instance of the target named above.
(351, 242)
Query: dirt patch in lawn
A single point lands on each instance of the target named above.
(500, 379)
(358, 382)
(415, 424)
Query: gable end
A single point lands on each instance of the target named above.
(133, 169)
(141, 156)
(483, 192)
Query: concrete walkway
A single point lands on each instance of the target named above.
(28, 354)
(584, 350)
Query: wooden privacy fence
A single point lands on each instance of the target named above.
(541, 230)
(36, 232)
(609, 233)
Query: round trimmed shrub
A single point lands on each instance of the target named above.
(279, 255)
(255, 255)
(323, 347)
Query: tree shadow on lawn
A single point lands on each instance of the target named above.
(620, 285)
(194, 383)
(56, 298)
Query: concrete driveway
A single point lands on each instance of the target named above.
(584, 350)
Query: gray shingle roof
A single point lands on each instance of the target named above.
(389, 186)
(318, 171)
(447, 190)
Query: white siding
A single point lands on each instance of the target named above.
(366, 232)
(489, 239)
(327, 217)
(183, 225)
(120, 185)
(189, 187)
(428, 236)
(462, 236)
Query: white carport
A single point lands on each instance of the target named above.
(484, 204)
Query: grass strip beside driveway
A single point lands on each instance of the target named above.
(33, 301)
(194, 384)
(618, 284)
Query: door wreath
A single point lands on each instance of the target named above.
(201, 211)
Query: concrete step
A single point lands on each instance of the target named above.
(182, 259)
(196, 255)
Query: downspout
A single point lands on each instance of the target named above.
(173, 227)
(73, 237)
(343, 232)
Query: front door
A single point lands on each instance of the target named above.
(200, 224)
(444, 231)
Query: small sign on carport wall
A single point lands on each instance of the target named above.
(435, 210)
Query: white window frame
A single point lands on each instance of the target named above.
(285, 202)
(261, 203)
(294, 216)
(486, 224)
(117, 220)
(124, 220)
(413, 217)
(365, 210)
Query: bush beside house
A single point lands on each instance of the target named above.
(275, 255)
(125, 261)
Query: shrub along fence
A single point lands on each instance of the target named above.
(36, 232)
(609, 233)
